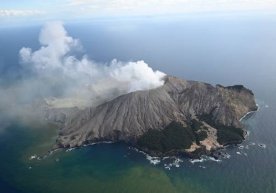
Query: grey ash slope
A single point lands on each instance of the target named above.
(130, 116)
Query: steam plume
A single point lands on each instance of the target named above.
(57, 71)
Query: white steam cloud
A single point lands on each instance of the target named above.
(57, 70)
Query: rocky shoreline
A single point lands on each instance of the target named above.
(179, 118)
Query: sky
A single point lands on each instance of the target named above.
(194, 49)
(41, 10)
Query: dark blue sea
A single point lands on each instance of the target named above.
(225, 51)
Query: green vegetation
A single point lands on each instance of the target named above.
(196, 125)
(173, 137)
(236, 87)
(176, 137)
(226, 134)
(201, 135)
(239, 88)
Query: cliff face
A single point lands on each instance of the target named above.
(131, 117)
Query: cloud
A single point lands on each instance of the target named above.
(55, 45)
(170, 6)
(59, 69)
(83, 9)
(19, 12)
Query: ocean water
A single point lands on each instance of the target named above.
(218, 51)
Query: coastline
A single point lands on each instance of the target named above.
(250, 112)
(197, 154)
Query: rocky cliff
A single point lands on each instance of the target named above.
(180, 116)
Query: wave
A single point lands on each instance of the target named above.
(262, 145)
(153, 160)
(205, 158)
(250, 112)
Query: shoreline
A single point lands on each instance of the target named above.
(197, 154)
(250, 112)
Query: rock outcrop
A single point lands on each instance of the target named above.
(208, 114)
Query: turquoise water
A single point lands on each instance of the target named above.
(117, 168)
